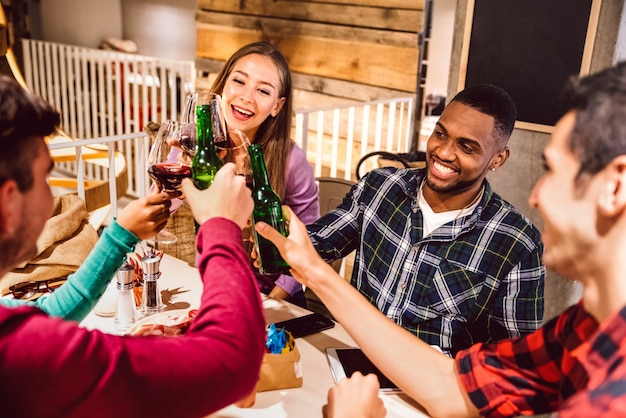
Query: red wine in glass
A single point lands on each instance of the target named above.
(222, 141)
(168, 176)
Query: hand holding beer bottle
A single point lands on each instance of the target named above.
(267, 208)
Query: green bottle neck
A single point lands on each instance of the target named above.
(204, 128)
(259, 171)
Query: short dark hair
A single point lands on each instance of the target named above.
(599, 133)
(493, 101)
(24, 119)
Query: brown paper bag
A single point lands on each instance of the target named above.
(280, 371)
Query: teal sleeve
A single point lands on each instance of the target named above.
(77, 297)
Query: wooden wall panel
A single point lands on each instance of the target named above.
(373, 64)
(368, 43)
(357, 15)
(277, 27)
(396, 4)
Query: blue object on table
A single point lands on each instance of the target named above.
(276, 339)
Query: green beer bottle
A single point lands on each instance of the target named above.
(267, 208)
(206, 162)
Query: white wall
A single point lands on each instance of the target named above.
(78, 22)
(620, 48)
(440, 47)
(161, 28)
(438, 61)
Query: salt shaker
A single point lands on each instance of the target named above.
(151, 299)
(125, 314)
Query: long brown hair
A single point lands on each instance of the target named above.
(274, 133)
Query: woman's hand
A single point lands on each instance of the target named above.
(145, 217)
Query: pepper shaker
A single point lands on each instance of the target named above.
(151, 299)
(125, 314)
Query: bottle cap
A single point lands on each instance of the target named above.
(126, 273)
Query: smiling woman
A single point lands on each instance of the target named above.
(256, 90)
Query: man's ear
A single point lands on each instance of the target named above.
(499, 159)
(612, 200)
(10, 207)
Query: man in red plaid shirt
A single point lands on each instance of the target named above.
(574, 365)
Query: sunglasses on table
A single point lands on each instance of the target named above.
(33, 290)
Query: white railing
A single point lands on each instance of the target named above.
(139, 181)
(102, 93)
(336, 137)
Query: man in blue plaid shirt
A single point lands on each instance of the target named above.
(437, 251)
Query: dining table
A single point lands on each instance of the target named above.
(181, 287)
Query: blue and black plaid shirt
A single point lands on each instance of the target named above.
(476, 278)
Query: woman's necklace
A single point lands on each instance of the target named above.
(476, 198)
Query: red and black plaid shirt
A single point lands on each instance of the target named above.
(572, 365)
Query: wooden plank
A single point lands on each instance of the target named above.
(377, 65)
(383, 66)
(328, 91)
(290, 28)
(343, 89)
(357, 16)
(392, 4)
(220, 42)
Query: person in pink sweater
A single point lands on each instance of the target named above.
(54, 368)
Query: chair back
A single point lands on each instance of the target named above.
(332, 192)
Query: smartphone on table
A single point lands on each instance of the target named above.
(346, 360)
(306, 325)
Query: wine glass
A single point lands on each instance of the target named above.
(189, 115)
(165, 165)
(234, 149)
(193, 100)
